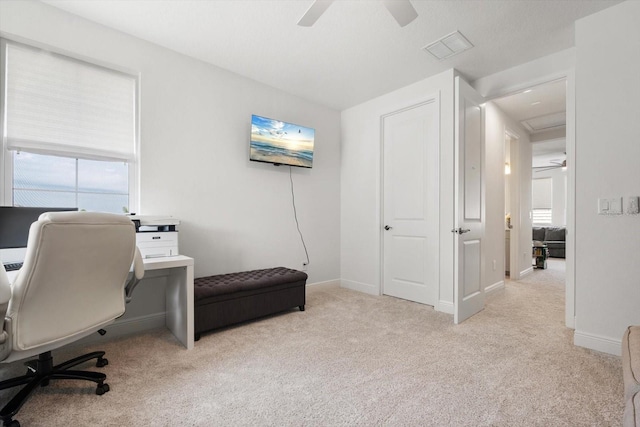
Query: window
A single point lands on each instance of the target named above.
(541, 198)
(541, 216)
(69, 132)
(52, 181)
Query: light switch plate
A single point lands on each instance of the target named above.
(610, 206)
(632, 205)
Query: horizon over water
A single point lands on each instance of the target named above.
(50, 181)
(265, 152)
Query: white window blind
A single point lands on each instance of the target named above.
(542, 216)
(61, 106)
(541, 193)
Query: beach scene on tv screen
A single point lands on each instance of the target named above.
(279, 142)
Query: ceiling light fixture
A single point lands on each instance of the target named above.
(449, 45)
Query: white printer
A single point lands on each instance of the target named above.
(156, 236)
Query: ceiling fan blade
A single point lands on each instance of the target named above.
(402, 11)
(314, 12)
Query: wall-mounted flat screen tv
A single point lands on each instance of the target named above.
(281, 143)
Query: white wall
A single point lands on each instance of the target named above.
(361, 180)
(497, 124)
(494, 235)
(195, 126)
(521, 205)
(607, 153)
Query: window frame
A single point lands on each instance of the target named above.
(6, 156)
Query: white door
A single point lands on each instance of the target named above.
(410, 199)
(469, 202)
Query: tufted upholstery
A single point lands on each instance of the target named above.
(226, 299)
(245, 281)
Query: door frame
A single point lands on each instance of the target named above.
(429, 98)
(516, 168)
(504, 87)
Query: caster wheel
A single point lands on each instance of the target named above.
(102, 361)
(12, 423)
(31, 367)
(102, 389)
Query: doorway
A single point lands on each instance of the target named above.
(541, 192)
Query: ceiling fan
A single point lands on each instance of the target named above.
(401, 10)
(555, 165)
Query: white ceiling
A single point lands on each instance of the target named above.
(355, 51)
(542, 111)
(536, 102)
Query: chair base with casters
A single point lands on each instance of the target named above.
(41, 371)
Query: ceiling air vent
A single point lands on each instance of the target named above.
(448, 46)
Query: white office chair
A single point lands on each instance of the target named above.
(71, 285)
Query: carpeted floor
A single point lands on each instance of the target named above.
(354, 359)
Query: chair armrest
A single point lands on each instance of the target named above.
(5, 296)
(138, 274)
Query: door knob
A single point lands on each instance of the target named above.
(460, 230)
(386, 227)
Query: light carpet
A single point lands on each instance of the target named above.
(353, 359)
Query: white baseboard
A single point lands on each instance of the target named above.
(360, 287)
(328, 284)
(526, 271)
(124, 327)
(570, 322)
(137, 324)
(495, 287)
(445, 307)
(598, 343)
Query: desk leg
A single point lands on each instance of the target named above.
(179, 305)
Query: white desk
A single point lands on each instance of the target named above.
(179, 299)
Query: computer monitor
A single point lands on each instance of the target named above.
(15, 222)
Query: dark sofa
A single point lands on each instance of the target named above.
(553, 237)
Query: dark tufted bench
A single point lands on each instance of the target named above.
(226, 299)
